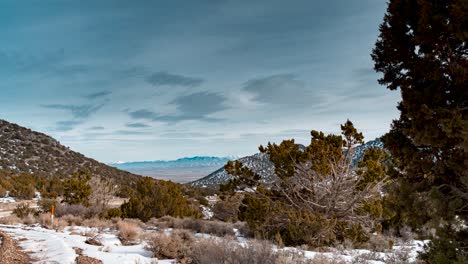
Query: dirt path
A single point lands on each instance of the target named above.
(10, 252)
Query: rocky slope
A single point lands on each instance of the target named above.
(24, 150)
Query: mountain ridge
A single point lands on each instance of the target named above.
(261, 164)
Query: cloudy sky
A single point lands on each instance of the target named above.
(147, 80)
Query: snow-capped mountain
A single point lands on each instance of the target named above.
(261, 164)
(180, 170)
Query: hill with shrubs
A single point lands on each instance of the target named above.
(25, 151)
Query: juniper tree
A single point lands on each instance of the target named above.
(320, 195)
(422, 52)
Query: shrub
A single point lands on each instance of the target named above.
(379, 243)
(128, 232)
(77, 189)
(72, 220)
(45, 204)
(113, 213)
(175, 246)
(3, 191)
(10, 220)
(98, 223)
(60, 224)
(22, 210)
(29, 219)
(212, 251)
(45, 220)
(227, 209)
(76, 210)
(216, 228)
(156, 199)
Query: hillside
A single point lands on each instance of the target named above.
(261, 164)
(24, 150)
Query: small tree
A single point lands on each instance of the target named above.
(103, 191)
(317, 188)
(77, 188)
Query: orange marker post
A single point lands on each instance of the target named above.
(52, 212)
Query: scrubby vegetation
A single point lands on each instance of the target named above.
(321, 196)
(152, 198)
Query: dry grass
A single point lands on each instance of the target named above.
(29, 219)
(100, 224)
(129, 232)
(60, 224)
(73, 220)
(216, 227)
(10, 220)
(45, 220)
(176, 246)
(182, 246)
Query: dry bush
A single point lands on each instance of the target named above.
(23, 210)
(76, 210)
(379, 243)
(73, 220)
(129, 232)
(135, 221)
(100, 224)
(60, 224)
(406, 233)
(29, 219)
(367, 257)
(163, 222)
(45, 220)
(321, 259)
(243, 229)
(227, 209)
(175, 246)
(216, 228)
(400, 256)
(10, 220)
(214, 251)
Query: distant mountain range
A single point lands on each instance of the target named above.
(180, 170)
(24, 150)
(261, 164)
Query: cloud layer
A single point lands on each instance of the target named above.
(126, 80)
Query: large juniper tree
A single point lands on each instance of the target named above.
(322, 193)
(422, 52)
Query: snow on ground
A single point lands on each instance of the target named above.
(7, 200)
(49, 246)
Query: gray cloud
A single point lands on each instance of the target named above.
(130, 132)
(97, 128)
(97, 94)
(190, 135)
(165, 78)
(196, 106)
(280, 89)
(137, 125)
(66, 125)
(78, 111)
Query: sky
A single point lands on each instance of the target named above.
(159, 80)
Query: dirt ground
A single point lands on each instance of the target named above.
(10, 252)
